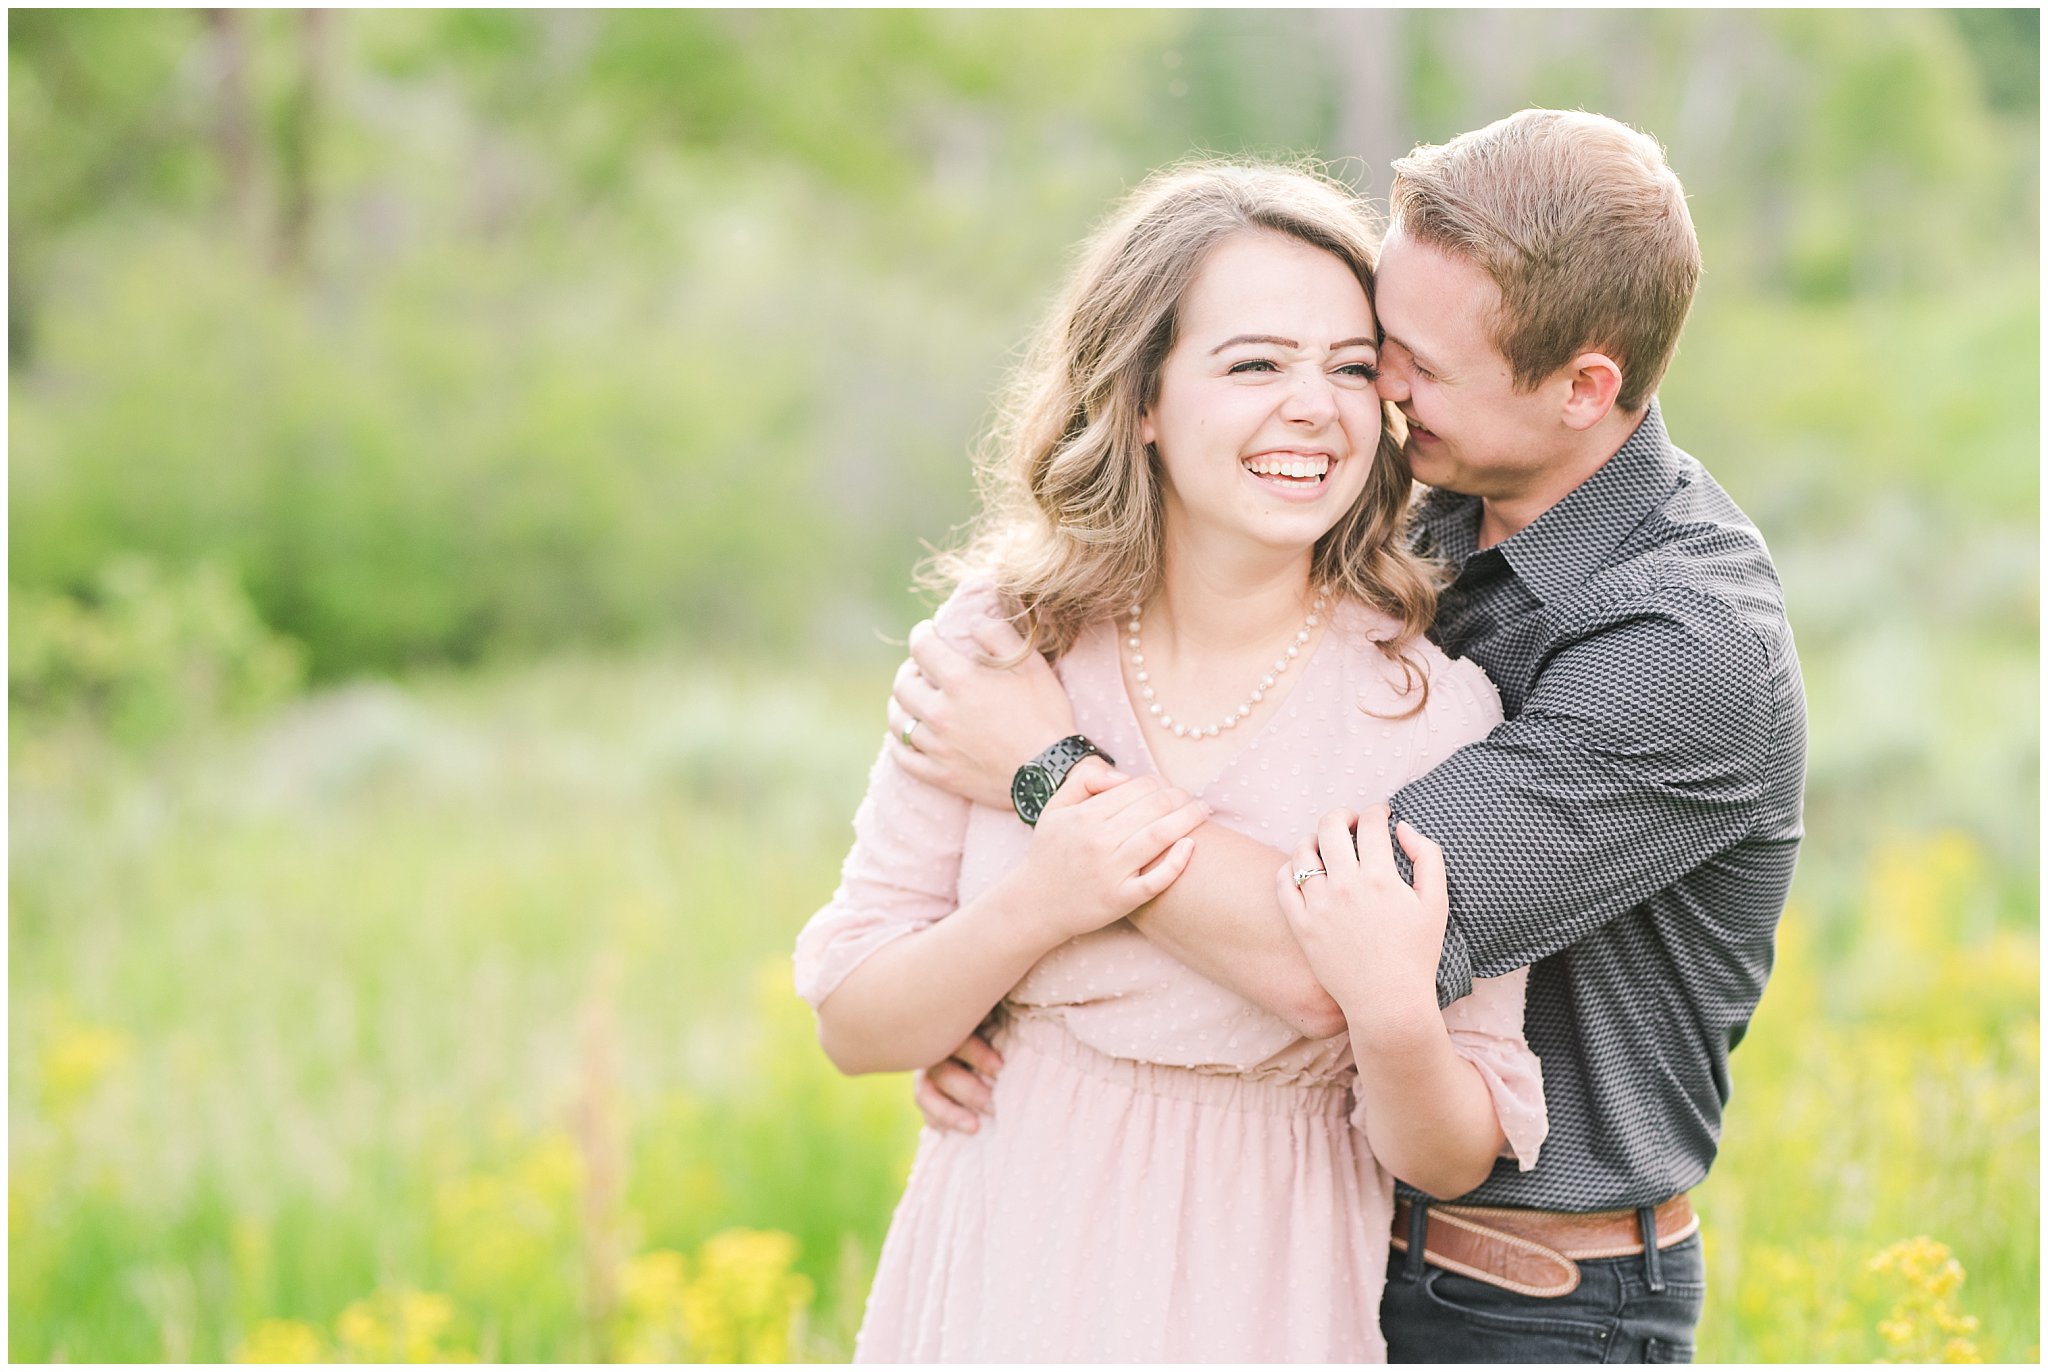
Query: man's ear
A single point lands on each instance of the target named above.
(1595, 384)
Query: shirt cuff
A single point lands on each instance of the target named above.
(1454, 968)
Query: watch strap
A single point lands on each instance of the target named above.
(1056, 762)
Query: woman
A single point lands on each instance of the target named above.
(1194, 509)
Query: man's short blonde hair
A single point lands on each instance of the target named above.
(1582, 226)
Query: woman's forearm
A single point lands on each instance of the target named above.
(1429, 1116)
(915, 999)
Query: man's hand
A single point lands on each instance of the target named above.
(956, 1093)
(976, 724)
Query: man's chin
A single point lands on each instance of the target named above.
(1422, 461)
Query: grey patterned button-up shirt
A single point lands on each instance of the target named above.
(1631, 829)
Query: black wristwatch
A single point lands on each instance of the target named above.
(1032, 788)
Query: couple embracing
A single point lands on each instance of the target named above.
(1324, 915)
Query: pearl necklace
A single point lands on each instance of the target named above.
(1229, 721)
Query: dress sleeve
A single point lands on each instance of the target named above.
(903, 873)
(1486, 1031)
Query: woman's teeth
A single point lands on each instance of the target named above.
(1298, 467)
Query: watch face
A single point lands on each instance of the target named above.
(1030, 790)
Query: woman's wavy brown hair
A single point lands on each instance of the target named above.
(1071, 527)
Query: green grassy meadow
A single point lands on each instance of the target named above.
(453, 1020)
(464, 471)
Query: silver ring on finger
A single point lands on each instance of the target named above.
(1305, 873)
(909, 729)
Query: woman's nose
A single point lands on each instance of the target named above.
(1311, 400)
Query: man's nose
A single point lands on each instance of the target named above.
(1393, 383)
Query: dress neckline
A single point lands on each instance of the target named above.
(1304, 669)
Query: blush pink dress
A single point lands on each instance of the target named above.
(1172, 1174)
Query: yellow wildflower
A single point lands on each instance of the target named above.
(76, 1060)
(1925, 1325)
(398, 1326)
(274, 1341)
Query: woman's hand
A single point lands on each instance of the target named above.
(1106, 844)
(1373, 941)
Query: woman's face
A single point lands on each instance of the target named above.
(1267, 417)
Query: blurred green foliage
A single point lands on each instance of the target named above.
(446, 1017)
(479, 991)
(147, 657)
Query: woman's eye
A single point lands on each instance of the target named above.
(1364, 371)
(1255, 364)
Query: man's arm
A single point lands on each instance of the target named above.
(1644, 748)
(976, 723)
(1640, 752)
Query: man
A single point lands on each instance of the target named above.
(1630, 830)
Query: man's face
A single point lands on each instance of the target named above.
(1469, 429)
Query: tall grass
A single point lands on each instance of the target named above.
(454, 1020)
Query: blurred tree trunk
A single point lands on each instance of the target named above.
(299, 138)
(1372, 91)
(232, 135)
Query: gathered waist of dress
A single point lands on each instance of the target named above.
(1043, 1033)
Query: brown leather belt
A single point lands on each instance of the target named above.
(1536, 1252)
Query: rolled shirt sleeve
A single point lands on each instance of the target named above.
(1641, 748)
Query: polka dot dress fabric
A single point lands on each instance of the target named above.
(1172, 1174)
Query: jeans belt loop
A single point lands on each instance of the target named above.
(1653, 1265)
(1418, 1238)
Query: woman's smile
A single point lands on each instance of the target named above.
(1292, 474)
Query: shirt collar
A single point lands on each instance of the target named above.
(1568, 542)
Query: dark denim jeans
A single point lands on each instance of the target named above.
(1614, 1316)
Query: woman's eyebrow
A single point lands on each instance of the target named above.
(1276, 341)
(1272, 339)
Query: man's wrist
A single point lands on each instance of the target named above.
(1034, 784)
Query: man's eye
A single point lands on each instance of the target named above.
(1252, 364)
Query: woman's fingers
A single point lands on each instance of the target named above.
(1110, 803)
(1375, 851)
(1155, 837)
(1431, 885)
(1307, 856)
(1292, 903)
(1336, 846)
(1091, 778)
(1148, 883)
